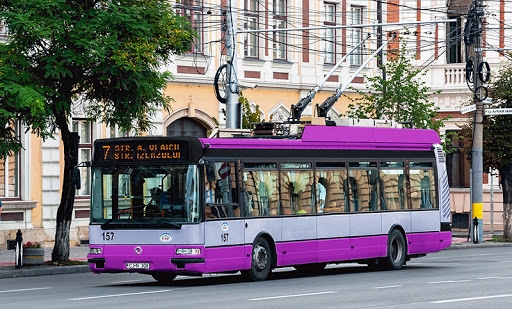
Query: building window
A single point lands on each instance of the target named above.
(251, 43)
(457, 162)
(330, 33)
(186, 127)
(356, 34)
(10, 173)
(115, 131)
(280, 21)
(83, 128)
(454, 39)
(192, 10)
(9, 177)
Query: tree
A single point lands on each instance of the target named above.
(497, 145)
(104, 54)
(249, 114)
(401, 97)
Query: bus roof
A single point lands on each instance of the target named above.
(337, 137)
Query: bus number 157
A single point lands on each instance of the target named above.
(224, 237)
(107, 236)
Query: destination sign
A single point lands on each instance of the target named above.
(140, 150)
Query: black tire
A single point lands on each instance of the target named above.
(218, 83)
(164, 278)
(484, 71)
(310, 269)
(261, 264)
(397, 250)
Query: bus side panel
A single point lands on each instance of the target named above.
(425, 234)
(423, 243)
(366, 236)
(257, 226)
(333, 232)
(224, 242)
(425, 221)
(333, 250)
(299, 240)
(392, 218)
(227, 258)
(368, 247)
(446, 240)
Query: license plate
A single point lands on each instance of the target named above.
(139, 265)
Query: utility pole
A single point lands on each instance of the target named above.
(474, 35)
(233, 108)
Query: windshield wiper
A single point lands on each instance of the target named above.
(165, 223)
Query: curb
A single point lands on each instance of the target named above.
(43, 270)
(485, 244)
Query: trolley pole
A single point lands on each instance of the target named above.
(233, 108)
(477, 149)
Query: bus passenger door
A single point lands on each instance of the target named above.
(224, 229)
(224, 245)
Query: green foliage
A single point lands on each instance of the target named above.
(497, 129)
(401, 97)
(248, 114)
(105, 53)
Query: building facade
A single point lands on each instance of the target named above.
(281, 51)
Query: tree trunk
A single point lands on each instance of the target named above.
(506, 184)
(65, 212)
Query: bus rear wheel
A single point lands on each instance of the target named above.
(261, 264)
(397, 251)
(164, 278)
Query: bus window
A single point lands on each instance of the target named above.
(331, 176)
(392, 187)
(220, 195)
(333, 181)
(422, 188)
(297, 188)
(261, 188)
(364, 186)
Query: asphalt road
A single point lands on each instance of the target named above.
(465, 278)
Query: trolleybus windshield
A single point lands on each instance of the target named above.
(145, 194)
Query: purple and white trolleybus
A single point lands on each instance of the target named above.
(168, 206)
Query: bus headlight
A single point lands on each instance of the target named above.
(95, 251)
(188, 251)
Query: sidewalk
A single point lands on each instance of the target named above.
(8, 269)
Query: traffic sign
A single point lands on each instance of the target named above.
(224, 170)
(467, 109)
(498, 111)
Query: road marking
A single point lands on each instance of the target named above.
(487, 278)
(126, 281)
(450, 281)
(119, 295)
(294, 295)
(469, 299)
(388, 286)
(25, 290)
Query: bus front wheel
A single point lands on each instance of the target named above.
(397, 250)
(163, 278)
(261, 264)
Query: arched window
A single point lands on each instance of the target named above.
(186, 127)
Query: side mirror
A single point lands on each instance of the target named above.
(210, 171)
